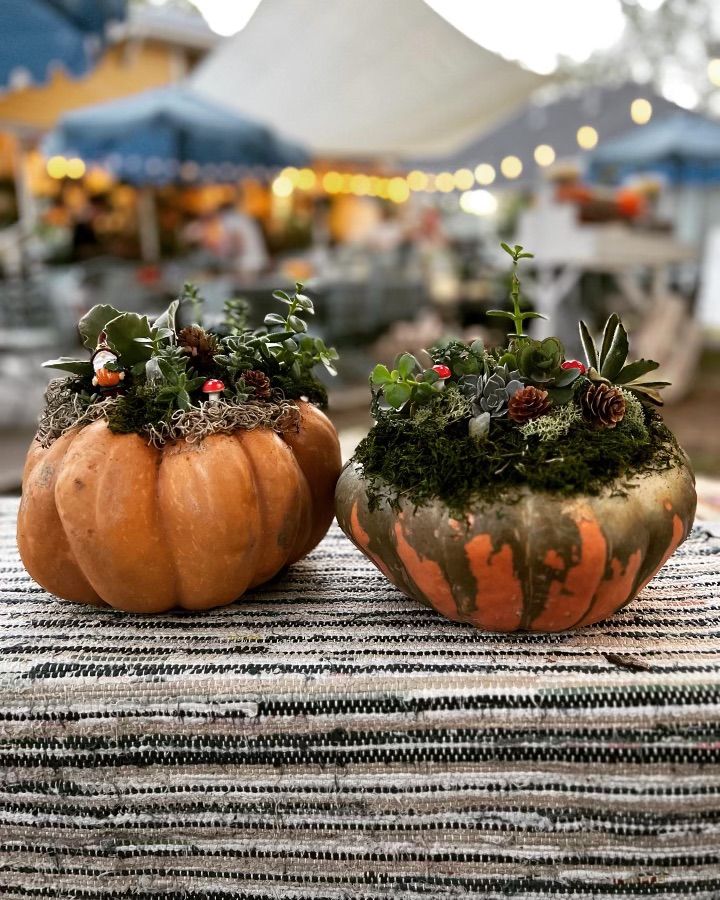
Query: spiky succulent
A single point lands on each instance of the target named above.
(609, 364)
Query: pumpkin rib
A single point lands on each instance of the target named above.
(276, 481)
(41, 539)
(106, 496)
(202, 486)
(317, 453)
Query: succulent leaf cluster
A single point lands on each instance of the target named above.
(169, 365)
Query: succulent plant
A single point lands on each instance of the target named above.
(491, 393)
(609, 364)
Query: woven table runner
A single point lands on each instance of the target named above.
(329, 738)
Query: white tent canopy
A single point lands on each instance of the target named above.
(363, 77)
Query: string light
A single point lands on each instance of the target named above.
(478, 203)
(56, 167)
(713, 71)
(464, 179)
(544, 155)
(360, 185)
(398, 190)
(292, 173)
(282, 186)
(75, 168)
(306, 179)
(445, 182)
(484, 173)
(587, 137)
(417, 181)
(332, 182)
(641, 111)
(511, 167)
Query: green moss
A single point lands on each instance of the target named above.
(136, 409)
(306, 386)
(555, 425)
(422, 462)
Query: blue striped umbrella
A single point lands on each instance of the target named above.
(168, 135)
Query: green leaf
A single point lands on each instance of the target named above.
(282, 297)
(305, 303)
(636, 370)
(121, 334)
(589, 347)
(612, 362)
(608, 336)
(68, 364)
(567, 377)
(531, 315)
(507, 249)
(397, 395)
(94, 321)
(328, 364)
(406, 364)
(500, 314)
(296, 324)
(380, 374)
(273, 319)
(167, 318)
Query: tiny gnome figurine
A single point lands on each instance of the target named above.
(101, 358)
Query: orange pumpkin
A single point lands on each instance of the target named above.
(538, 562)
(107, 518)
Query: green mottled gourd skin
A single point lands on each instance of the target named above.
(538, 562)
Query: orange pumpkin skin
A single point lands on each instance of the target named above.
(108, 519)
(537, 563)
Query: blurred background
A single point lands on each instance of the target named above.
(378, 152)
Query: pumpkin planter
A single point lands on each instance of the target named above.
(534, 562)
(515, 489)
(145, 510)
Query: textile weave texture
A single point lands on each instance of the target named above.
(328, 738)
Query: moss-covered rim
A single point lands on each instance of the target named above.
(420, 462)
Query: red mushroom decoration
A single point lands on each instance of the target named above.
(212, 388)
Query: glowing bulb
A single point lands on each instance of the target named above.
(478, 203)
(360, 185)
(282, 186)
(641, 111)
(290, 172)
(587, 137)
(75, 168)
(484, 173)
(445, 182)
(56, 167)
(398, 190)
(332, 182)
(464, 179)
(511, 167)
(713, 71)
(306, 179)
(417, 181)
(374, 185)
(544, 155)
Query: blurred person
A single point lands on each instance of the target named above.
(85, 240)
(240, 240)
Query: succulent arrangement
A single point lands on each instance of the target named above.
(474, 421)
(170, 382)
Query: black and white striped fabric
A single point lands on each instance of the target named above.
(328, 738)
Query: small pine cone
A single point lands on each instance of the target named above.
(258, 383)
(528, 403)
(603, 405)
(200, 346)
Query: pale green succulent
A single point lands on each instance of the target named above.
(491, 393)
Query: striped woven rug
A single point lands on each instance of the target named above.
(328, 738)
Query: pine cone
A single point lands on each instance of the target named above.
(258, 383)
(528, 403)
(603, 405)
(200, 346)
